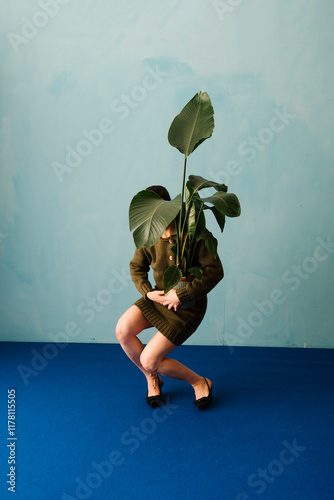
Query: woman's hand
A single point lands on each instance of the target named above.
(171, 300)
(156, 296)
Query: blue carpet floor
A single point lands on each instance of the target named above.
(83, 429)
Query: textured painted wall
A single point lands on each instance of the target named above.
(88, 91)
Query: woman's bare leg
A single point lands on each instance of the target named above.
(153, 360)
(128, 327)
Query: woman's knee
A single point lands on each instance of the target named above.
(149, 362)
(123, 331)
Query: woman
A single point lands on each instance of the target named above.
(164, 312)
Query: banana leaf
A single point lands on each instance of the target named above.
(152, 215)
(193, 125)
(197, 182)
(226, 203)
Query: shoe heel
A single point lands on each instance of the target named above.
(155, 401)
(204, 402)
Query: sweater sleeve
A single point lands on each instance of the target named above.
(139, 268)
(212, 273)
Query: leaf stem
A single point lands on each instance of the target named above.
(180, 239)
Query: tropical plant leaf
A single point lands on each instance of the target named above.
(197, 182)
(193, 125)
(173, 248)
(226, 203)
(210, 242)
(196, 271)
(196, 218)
(196, 222)
(189, 194)
(153, 215)
(171, 278)
(220, 218)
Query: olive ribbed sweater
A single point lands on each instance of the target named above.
(177, 326)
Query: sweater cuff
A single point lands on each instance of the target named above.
(183, 295)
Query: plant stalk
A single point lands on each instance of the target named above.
(180, 239)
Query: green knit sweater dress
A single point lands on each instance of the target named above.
(177, 326)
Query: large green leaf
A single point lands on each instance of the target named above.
(153, 215)
(210, 242)
(172, 276)
(189, 194)
(226, 203)
(220, 218)
(193, 125)
(196, 218)
(197, 182)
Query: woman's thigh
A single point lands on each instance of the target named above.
(156, 350)
(132, 322)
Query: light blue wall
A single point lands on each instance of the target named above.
(128, 68)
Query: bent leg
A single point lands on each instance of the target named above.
(153, 359)
(128, 327)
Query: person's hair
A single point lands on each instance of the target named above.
(161, 191)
